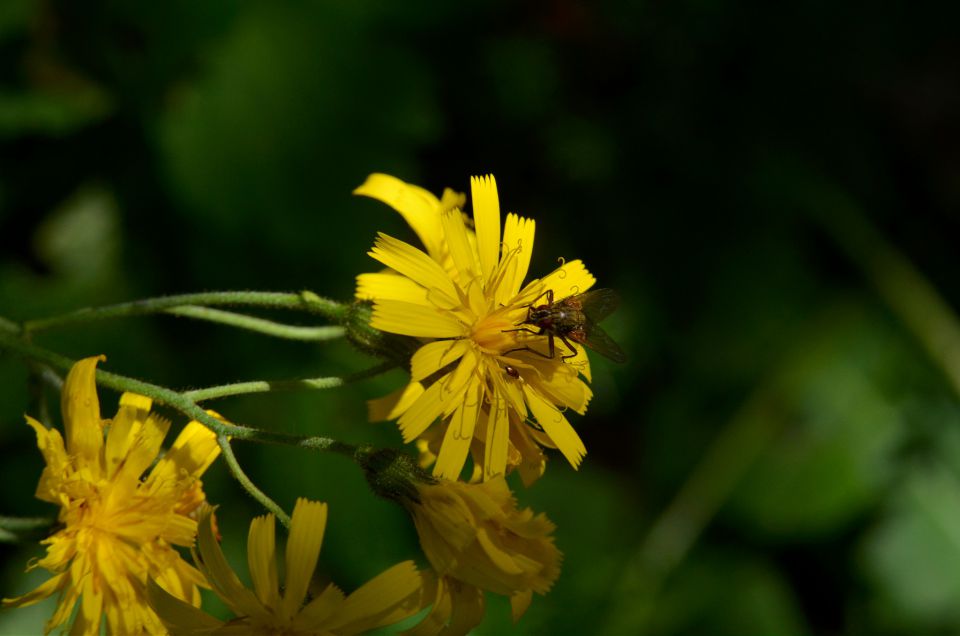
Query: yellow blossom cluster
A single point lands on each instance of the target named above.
(493, 392)
(484, 390)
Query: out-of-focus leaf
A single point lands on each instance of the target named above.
(727, 593)
(288, 109)
(60, 113)
(835, 453)
(80, 240)
(913, 556)
(15, 16)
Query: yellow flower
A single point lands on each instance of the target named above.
(389, 597)
(497, 395)
(476, 539)
(117, 529)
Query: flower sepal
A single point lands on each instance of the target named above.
(373, 341)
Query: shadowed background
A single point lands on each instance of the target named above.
(781, 454)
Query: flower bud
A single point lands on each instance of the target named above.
(373, 341)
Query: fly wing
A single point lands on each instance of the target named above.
(597, 304)
(598, 340)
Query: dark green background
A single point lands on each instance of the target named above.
(699, 156)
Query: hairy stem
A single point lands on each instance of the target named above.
(303, 301)
(248, 484)
(264, 386)
(259, 325)
(177, 401)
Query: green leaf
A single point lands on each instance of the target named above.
(840, 429)
(913, 556)
(721, 593)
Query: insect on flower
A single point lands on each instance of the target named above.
(573, 318)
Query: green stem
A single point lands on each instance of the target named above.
(264, 386)
(905, 290)
(248, 484)
(25, 523)
(171, 398)
(677, 529)
(303, 301)
(260, 325)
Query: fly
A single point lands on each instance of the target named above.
(573, 319)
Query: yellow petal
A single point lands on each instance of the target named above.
(133, 411)
(192, 452)
(519, 602)
(434, 356)
(486, 218)
(456, 442)
(556, 426)
(143, 449)
(391, 286)
(421, 413)
(560, 383)
(468, 607)
(314, 617)
(518, 234)
(66, 604)
(54, 454)
(303, 547)
(262, 560)
(463, 255)
(456, 383)
(383, 600)
(408, 319)
(395, 404)
(442, 398)
(409, 261)
(42, 591)
(419, 208)
(81, 413)
(510, 390)
(495, 446)
(570, 278)
(88, 619)
(221, 577)
(436, 593)
(179, 617)
(500, 558)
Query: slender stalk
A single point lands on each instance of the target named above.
(677, 529)
(175, 400)
(264, 386)
(260, 325)
(303, 301)
(905, 290)
(248, 484)
(25, 523)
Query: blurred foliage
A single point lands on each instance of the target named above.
(691, 153)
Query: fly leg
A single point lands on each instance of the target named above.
(542, 331)
(548, 294)
(569, 346)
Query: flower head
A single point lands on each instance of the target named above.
(118, 529)
(389, 597)
(477, 540)
(497, 393)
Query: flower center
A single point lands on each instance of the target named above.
(493, 334)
